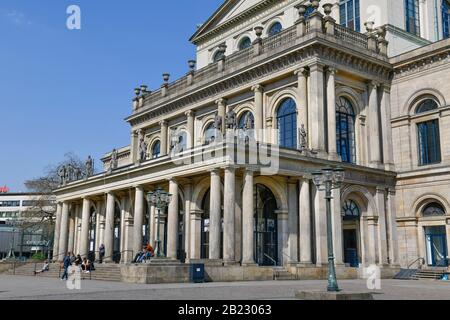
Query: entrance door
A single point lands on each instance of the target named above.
(436, 246)
(266, 229)
(351, 248)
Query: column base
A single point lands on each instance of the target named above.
(334, 157)
(214, 262)
(292, 264)
(230, 263)
(249, 264)
(306, 265)
(164, 261)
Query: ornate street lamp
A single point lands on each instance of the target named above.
(160, 199)
(327, 180)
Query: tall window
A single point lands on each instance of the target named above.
(446, 18)
(156, 150)
(428, 132)
(246, 121)
(412, 16)
(210, 134)
(287, 123)
(345, 130)
(245, 43)
(350, 14)
(275, 28)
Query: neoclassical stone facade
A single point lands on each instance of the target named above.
(312, 95)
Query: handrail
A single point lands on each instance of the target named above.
(420, 259)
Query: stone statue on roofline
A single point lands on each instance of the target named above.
(89, 167)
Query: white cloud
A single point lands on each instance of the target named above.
(17, 18)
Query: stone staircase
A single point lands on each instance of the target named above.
(429, 274)
(280, 274)
(103, 272)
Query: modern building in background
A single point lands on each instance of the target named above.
(327, 89)
(14, 215)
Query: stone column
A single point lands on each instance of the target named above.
(391, 217)
(57, 231)
(248, 211)
(172, 221)
(190, 128)
(134, 147)
(139, 202)
(127, 256)
(196, 223)
(215, 216)
(98, 218)
(371, 252)
(316, 108)
(388, 153)
(76, 244)
(259, 93)
(164, 138)
(84, 247)
(320, 225)
(228, 215)
(222, 105)
(305, 223)
(71, 241)
(187, 220)
(109, 227)
(63, 236)
(283, 236)
(238, 220)
(331, 114)
(293, 223)
(374, 126)
(302, 98)
(152, 226)
(380, 199)
(336, 220)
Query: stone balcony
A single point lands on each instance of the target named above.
(305, 33)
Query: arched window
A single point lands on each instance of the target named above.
(446, 18)
(350, 210)
(345, 130)
(156, 150)
(428, 135)
(217, 56)
(247, 119)
(287, 123)
(433, 209)
(245, 43)
(210, 134)
(427, 105)
(182, 142)
(275, 29)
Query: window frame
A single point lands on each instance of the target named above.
(343, 102)
(445, 11)
(293, 124)
(270, 32)
(353, 7)
(412, 10)
(241, 41)
(156, 143)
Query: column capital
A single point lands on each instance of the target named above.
(316, 67)
(385, 87)
(221, 101)
(214, 171)
(258, 88)
(163, 123)
(302, 72)
(137, 186)
(190, 113)
(292, 180)
(172, 179)
(230, 167)
(332, 70)
(380, 189)
(373, 84)
(392, 192)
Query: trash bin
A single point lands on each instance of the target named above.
(197, 273)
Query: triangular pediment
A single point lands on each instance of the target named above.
(228, 10)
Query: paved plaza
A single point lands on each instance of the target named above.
(35, 288)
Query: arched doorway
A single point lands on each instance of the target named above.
(205, 227)
(435, 235)
(92, 233)
(351, 215)
(117, 233)
(266, 227)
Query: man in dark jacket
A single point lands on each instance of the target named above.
(66, 265)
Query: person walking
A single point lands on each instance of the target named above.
(101, 250)
(66, 265)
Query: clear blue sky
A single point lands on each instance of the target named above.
(69, 91)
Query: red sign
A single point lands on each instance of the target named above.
(4, 189)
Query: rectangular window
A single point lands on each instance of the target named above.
(350, 14)
(446, 18)
(412, 20)
(9, 203)
(429, 143)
